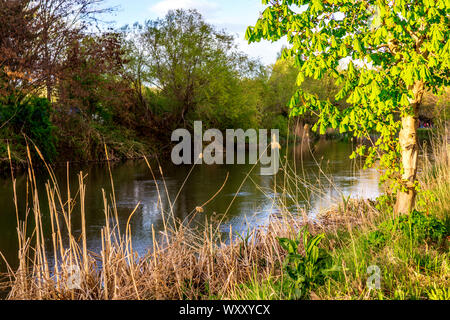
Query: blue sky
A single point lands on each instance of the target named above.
(232, 15)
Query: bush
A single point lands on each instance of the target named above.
(305, 271)
(32, 118)
(420, 227)
(417, 226)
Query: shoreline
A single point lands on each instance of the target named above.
(411, 252)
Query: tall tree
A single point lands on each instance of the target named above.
(184, 55)
(136, 68)
(394, 51)
(91, 79)
(18, 54)
(59, 22)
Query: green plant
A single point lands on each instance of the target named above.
(376, 239)
(383, 56)
(32, 118)
(305, 271)
(269, 288)
(439, 294)
(345, 203)
(417, 227)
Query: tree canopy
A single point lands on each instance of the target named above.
(196, 66)
(383, 54)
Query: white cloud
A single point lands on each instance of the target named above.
(206, 7)
(228, 17)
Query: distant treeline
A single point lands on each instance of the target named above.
(70, 86)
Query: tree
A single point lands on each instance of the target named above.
(33, 39)
(136, 68)
(90, 83)
(18, 54)
(393, 52)
(282, 85)
(185, 55)
(58, 22)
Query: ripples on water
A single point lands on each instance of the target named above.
(253, 204)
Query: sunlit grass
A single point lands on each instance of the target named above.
(410, 268)
(183, 264)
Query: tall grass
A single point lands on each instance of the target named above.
(181, 265)
(185, 264)
(411, 267)
(435, 178)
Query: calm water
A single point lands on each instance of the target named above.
(253, 202)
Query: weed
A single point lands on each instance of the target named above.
(305, 271)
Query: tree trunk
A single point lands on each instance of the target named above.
(49, 91)
(409, 154)
(47, 64)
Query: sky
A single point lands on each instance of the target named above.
(231, 15)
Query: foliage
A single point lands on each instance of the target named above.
(280, 87)
(198, 69)
(145, 80)
(89, 85)
(376, 239)
(128, 88)
(32, 119)
(382, 56)
(308, 270)
(33, 38)
(57, 24)
(136, 69)
(18, 55)
(280, 122)
(439, 294)
(417, 227)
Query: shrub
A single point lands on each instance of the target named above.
(32, 118)
(417, 226)
(305, 271)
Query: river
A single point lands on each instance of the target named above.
(325, 170)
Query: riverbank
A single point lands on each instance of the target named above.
(89, 147)
(374, 255)
(85, 146)
(347, 245)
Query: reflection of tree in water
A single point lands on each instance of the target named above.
(252, 203)
(322, 173)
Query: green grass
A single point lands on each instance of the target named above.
(413, 264)
(411, 252)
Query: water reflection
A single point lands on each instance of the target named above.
(325, 174)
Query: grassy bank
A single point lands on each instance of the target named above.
(339, 255)
(364, 242)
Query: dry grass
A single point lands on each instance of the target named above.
(184, 264)
(181, 265)
(435, 177)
